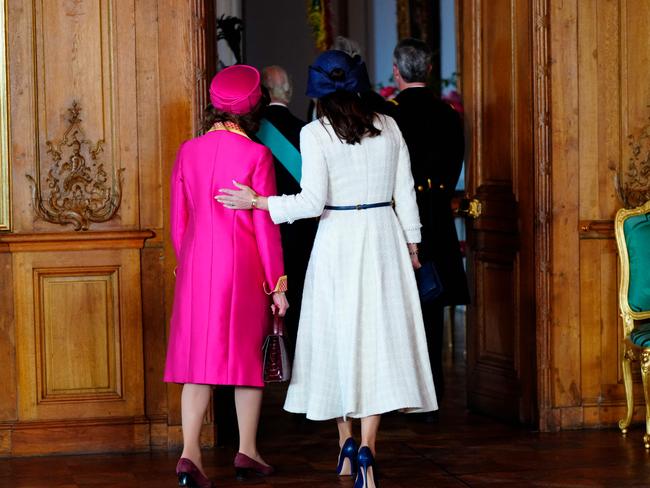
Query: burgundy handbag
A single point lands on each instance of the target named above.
(277, 366)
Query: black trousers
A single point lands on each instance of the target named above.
(434, 321)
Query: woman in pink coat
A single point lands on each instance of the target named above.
(229, 268)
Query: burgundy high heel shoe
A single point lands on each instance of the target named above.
(190, 476)
(245, 465)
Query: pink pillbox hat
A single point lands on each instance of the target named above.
(236, 89)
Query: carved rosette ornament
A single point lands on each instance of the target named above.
(78, 188)
(645, 361)
(633, 184)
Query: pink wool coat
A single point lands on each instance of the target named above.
(225, 259)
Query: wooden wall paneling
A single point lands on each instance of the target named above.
(635, 69)
(78, 334)
(66, 52)
(565, 295)
(148, 96)
(78, 344)
(609, 106)
(154, 323)
(599, 97)
(612, 337)
(590, 318)
(177, 91)
(151, 216)
(543, 205)
(8, 391)
(22, 109)
(588, 57)
(125, 122)
(525, 361)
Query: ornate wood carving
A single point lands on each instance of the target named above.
(543, 208)
(203, 43)
(79, 190)
(633, 183)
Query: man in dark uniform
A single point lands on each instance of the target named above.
(298, 237)
(434, 135)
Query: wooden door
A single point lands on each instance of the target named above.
(497, 85)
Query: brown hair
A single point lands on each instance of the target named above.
(351, 118)
(249, 122)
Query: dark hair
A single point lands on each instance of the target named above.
(249, 122)
(351, 118)
(412, 58)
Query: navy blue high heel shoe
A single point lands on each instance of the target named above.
(367, 469)
(349, 453)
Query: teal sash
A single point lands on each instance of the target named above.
(282, 149)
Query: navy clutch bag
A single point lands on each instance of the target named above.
(429, 284)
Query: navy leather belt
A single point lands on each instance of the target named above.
(363, 206)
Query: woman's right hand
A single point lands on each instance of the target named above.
(280, 303)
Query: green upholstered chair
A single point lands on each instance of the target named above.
(632, 229)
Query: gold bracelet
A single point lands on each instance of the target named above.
(254, 201)
(280, 286)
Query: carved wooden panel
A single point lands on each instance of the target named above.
(131, 67)
(83, 52)
(78, 334)
(78, 347)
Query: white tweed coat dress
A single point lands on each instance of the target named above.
(361, 346)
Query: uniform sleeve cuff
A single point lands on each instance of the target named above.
(280, 286)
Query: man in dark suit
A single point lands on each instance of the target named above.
(434, 135)
(298, 237)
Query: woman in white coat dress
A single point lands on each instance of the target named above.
(361, 347)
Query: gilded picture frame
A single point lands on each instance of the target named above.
(5, 184)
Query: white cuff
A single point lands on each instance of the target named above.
(276, 210)
(413, 236)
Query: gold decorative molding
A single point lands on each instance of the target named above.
(633, 183)
(79, 192)
(5, 186)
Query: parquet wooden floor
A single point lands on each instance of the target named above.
(460, 450)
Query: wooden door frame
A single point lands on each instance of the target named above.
(542, 200)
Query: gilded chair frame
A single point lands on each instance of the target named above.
(631, 352)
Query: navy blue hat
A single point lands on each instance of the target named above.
(355, 75)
